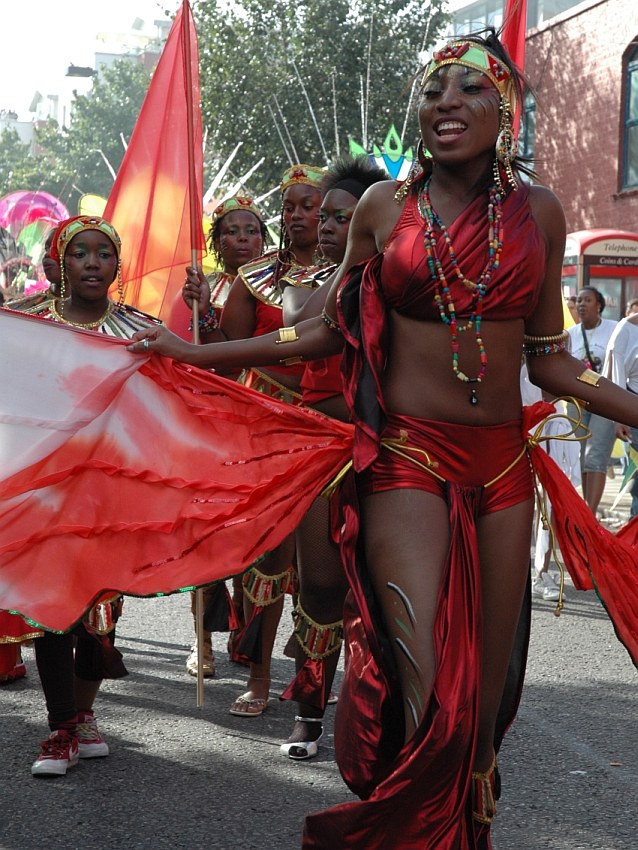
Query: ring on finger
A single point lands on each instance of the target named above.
(146, 344)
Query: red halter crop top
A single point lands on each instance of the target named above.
(406, 281)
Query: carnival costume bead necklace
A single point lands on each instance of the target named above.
(443, 297)
(86, 325)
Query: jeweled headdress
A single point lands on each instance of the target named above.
(238, 202)
(474, 55)
(309, 175)
(70, 227)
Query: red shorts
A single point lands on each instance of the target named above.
(421, 454)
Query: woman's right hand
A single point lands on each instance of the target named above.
(196, 288)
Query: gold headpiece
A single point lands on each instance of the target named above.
(238, 202)
(479, 58)
(310, 175)
(475, 56)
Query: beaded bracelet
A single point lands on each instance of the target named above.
(541, 346)
(207, 323)
(330, 322)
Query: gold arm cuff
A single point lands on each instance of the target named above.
(589, 377)
(529, 339)
(287, 335)
(291, 361)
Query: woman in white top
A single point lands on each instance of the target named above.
(622, 367)
(589, 343)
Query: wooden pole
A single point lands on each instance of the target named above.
(195, 223)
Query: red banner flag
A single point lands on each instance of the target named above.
(513, 38)
(138, 474)
(513, 32)
(159, 183)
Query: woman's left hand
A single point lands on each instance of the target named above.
(160, 340)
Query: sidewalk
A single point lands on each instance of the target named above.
(613, 517)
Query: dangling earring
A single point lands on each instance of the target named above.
(62, 284)
(419, 165)
(120, 286)
(506, 146)
(424, 158)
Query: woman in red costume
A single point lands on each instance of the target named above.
(72, 666)
(14, 631)
(254, 307)
(237, 236)
(449, 276)
(322, 584)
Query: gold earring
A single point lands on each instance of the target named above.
(120, 285)
(506, 146)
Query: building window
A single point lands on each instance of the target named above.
(477, 16)
(630, 135)
(527, 134)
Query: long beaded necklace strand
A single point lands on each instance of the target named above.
(443, 295)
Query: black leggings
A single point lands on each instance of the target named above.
(58, 665)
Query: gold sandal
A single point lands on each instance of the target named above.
(487, 790)
(247, 706)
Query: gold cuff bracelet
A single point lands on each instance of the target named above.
(287, 335)
(589, 377)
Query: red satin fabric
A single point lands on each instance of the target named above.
(14, 629)
(322, 379)
(417, 795)
(138, 474)
(408, 286)
(595, 558)
(309, 685)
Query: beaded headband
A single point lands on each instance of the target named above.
(239, 202)
(69, 228)
(479, 58)
(309, 175)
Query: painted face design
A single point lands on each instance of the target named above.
(459, 112)
(240, 239)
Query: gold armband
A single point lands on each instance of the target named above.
(541, 346)
(589, 377)
(529, 339)
(291, 361)
(287, 335)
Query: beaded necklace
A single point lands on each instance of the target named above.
(86, 325)
(443, 295)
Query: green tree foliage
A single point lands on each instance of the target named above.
(13, 154)
(66, 161)
(108, 110)
(261, 61)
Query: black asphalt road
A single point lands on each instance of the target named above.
(185, 777)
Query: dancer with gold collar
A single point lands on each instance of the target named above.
(72, 665)
(253, 308)
(237, 236)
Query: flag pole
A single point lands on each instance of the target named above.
(195, 219)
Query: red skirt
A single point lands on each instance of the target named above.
(417, 795)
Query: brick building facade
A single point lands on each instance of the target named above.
(577, 64)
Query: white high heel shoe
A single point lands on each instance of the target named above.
(300, 750)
